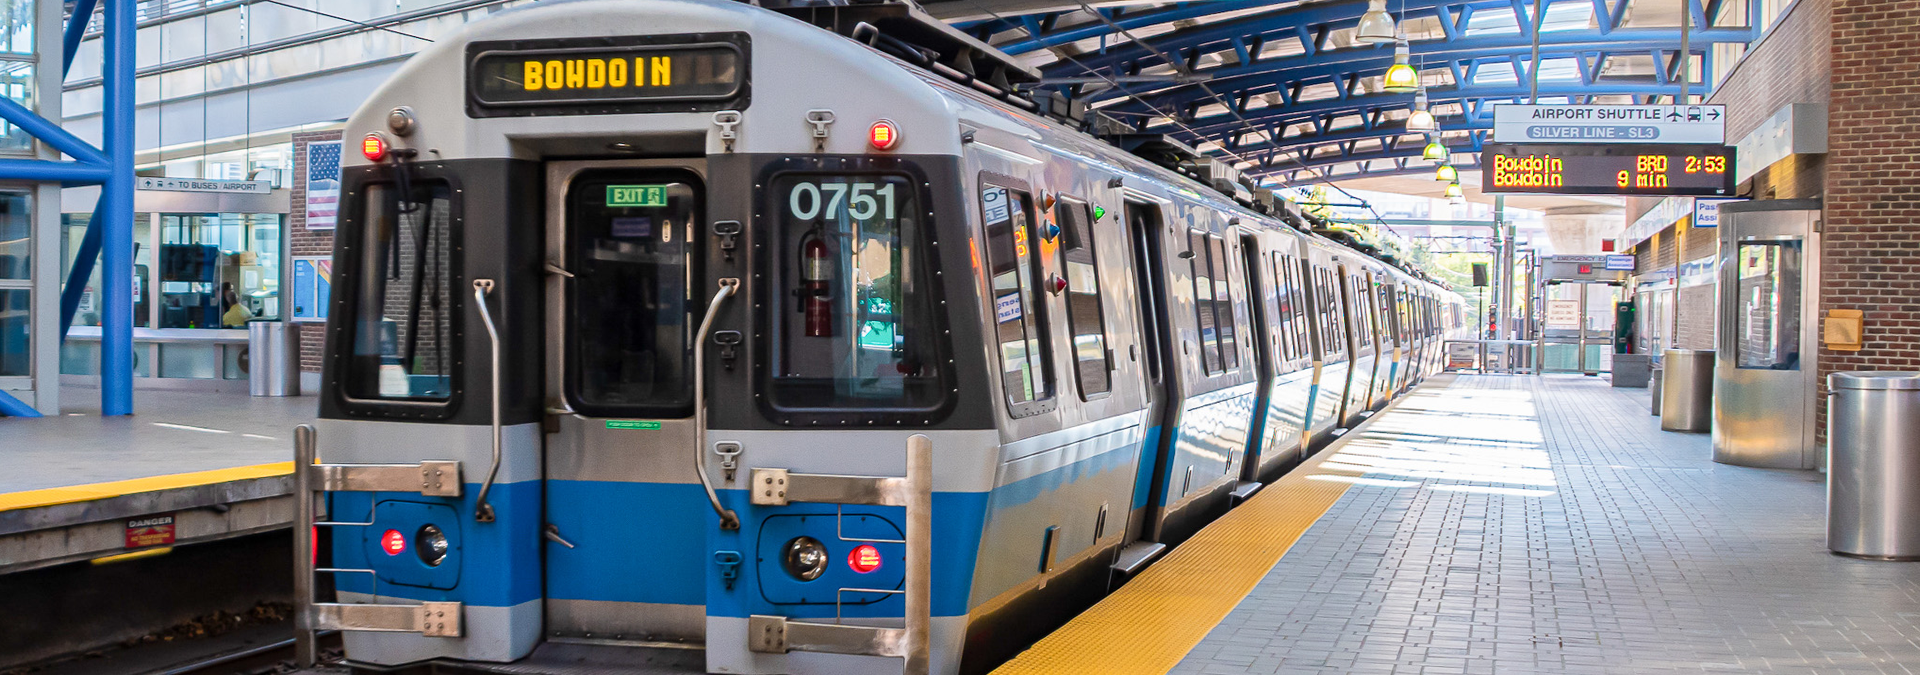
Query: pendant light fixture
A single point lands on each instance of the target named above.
(1434, 151)
(1376, 26)
(1453, 190)
(1421, 120)
(1401, 77)
(1447, 174)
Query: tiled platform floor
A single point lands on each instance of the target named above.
(170, 432)
(1547, 525)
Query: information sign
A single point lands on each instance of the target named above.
(1598, 123)
(1563, 314)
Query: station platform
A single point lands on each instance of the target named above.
(186, 467)
(1508, 524)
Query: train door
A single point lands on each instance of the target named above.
(1359, 330)
(1144, 225)
(1264, 300)
(624, 511)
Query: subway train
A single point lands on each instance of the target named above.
(739, 338)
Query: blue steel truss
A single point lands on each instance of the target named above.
(109, 234)
(1268, 88)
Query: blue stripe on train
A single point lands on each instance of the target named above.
(633, 542)
(1149, 462)
(498, 562)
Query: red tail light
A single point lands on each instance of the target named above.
(883, 135)
(864, 558)
(374, 147)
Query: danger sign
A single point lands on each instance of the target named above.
(150, 531)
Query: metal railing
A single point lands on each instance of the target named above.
(429, 478)
(779, 635)
(1510, 357)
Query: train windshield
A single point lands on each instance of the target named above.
(402, 336)
(854, 324)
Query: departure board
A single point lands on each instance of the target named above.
(586, 76)
(1687, 170)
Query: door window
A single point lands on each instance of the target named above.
(1767, 332)
(403, 342)
(630, 237)
(1085, 316)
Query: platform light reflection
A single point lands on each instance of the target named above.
(1450, 440)
(188, 427)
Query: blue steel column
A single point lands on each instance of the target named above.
(116, 213)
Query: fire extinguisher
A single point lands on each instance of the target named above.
(816, 282)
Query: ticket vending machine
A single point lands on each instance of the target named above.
(1764, 374)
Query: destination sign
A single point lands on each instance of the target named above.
(1685, 170)
(590, 76)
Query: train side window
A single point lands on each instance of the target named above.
(627, 305)
(1301, 323)
(404, 343)
(1224, 306)
(1025, 362)
(1085, 315)
(1203, 301)
(1282, 317)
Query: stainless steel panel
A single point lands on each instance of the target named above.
(1873, 484)
(1763, 414)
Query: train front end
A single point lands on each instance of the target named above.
(643, 337)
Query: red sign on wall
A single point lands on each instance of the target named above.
(150, 531)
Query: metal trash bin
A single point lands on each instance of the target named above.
(1631, 370)
(273, 358)
(1873, 475)
(1686, 390)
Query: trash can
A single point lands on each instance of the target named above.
(1653, 390)
(1631, 370)
(273, 358)
(1686, 392)
(1873, 474)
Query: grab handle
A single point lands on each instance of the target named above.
(483, 511)
(728, 520)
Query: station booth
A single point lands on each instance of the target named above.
(200, 249)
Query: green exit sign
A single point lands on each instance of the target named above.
(637, 195)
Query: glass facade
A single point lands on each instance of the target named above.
(194, 270)
(16, 284)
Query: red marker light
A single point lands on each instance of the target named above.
(883, 135)
(864, 558)
(374, 147)
(393, 542)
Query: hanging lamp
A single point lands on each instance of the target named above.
(1453, 190)
(1421, 120)
(1401, 77)
(1446, 174)
(1376, 26)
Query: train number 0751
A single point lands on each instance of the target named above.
(862, 201)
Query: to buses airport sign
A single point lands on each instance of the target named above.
(1516, 123)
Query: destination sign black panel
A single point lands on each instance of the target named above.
(595, 76)
(1687, 170)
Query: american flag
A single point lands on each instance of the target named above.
(323, 185)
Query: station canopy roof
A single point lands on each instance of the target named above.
(1283, 90)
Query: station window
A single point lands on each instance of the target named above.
(1767, 319)
(1084, 313)
(854, 320)
(1025, 362)
(404, 346)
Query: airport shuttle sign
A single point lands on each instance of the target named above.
(1516, 123)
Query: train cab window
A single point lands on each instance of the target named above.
(1025, 362)
(853, 320)
(404, 347)
(1085, 316)
(629, 237)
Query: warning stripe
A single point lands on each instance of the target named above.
(82, 493)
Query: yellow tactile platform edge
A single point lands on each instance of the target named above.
(81, 493)
(1151, 623)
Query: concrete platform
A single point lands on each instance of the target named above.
(1510, 524)
(207, 465)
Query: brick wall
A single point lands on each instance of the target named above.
(1696, 310)
(1871, 254)
(307, 242)
(1790, 65)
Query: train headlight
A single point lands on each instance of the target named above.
(431, 545)
(805, 558)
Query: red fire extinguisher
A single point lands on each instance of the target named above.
(816, 282)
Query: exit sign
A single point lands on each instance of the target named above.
(636, 195)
